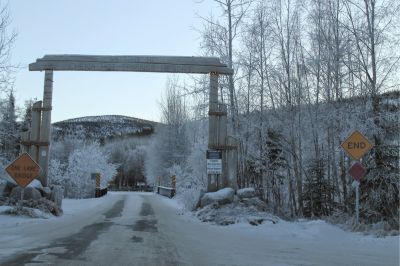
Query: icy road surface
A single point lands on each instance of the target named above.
(147, 229)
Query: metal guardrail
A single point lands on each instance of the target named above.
(100, 192)
(166, 191)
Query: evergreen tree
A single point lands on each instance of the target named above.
(27, 119)
(276, 165)
(380, 188)
(9, 130)
(317, 190)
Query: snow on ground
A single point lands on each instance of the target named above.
(275, 227)
(197, 243)
(303, 242)
(19, 232)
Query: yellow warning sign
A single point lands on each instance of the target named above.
(173, 181)
(23, 170)
(97, 180)
(356, 145)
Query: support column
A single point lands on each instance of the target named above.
(24, 138)
(222, 135)
(232, 162)
(213, 108)
(213, 126)
(46, 126)
(35, 130)
(222, 124)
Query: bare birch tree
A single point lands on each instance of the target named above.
(218, 40)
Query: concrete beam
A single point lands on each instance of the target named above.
(151, 59)
(161, 64)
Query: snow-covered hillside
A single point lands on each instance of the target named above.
(103, 128)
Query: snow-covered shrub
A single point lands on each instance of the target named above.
(56, 172)
(188, 189)
(191, 180)
(76, 176)
(4, 177)
(189, 197)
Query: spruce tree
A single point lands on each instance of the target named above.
(379, 189)
(9, 130)
(317, 190)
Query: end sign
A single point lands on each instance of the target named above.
(356, 145)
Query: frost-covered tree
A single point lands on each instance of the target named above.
(61, 150)
(218, 37)
(373, 25)
(7, 39)
(82, 162)
(8, 134)
(9, 130)
(130, 158)
(170, 144)
(27, 116)
(192, 179)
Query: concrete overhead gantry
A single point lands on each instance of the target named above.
(37, 140)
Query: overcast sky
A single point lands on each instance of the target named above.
(102, 27)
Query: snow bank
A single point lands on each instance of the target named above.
(246, 193)
(36, 184)
(241, 211)
(222, 196)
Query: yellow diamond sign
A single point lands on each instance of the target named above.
(356, 145)
(23, 170)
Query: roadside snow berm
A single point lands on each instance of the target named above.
(246, 193)
(222, 196)
(224, 208)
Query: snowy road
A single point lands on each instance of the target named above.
(147, 229)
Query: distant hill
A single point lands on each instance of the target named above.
(102, 128)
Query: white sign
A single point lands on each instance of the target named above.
(214, 166)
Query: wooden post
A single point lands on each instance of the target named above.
(222, 125)
(45, 126)
(213, 108)
(35, 130)
(232, 162)
(222, 134)
(213, 125)
(24, 137)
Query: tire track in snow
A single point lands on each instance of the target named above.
(70, 247)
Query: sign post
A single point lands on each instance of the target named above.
(356, 145)
(356, 186)
(357, 171)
